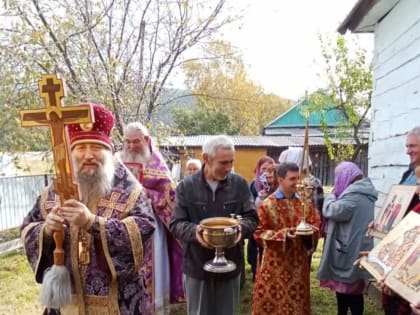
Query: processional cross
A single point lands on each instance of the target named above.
(56, 116)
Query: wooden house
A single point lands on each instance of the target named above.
(287, 130)
(248, 149)
(396, 81)
(292, 123)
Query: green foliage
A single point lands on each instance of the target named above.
(203, 121)
(16, 93)
(349, 76)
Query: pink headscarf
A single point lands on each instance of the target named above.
(345, 173)
(261, 161)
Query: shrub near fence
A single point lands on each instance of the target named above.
(17, 197)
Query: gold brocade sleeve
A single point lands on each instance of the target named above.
(132, 231)
(41, 236)
(135, 240)
(105, 247)
(25, 231)
(131, 201)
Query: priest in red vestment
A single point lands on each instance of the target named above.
(282, 279)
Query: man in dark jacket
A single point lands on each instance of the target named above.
(212, 192)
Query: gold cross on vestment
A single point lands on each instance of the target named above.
(111, 204)
(56, 116)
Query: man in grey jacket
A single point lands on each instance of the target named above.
(212, 192)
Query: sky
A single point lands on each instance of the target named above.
(279, 42)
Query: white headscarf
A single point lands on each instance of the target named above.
(294, 155)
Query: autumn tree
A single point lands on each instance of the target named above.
(203, 120)
(120, 53)
(220, 83)
(349, 76)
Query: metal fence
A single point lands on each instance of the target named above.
(17, 197)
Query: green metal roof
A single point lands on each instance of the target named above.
(295, 117)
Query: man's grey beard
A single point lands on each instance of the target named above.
(133, 157)
(96, 183)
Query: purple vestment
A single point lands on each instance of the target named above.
(160, 188)
(111, 281)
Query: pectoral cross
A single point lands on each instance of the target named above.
(56, 116)
(111, 205)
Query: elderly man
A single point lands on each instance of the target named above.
(163, 274)
(212, 191)
(393, 304)
(106, 233)
(192, 166)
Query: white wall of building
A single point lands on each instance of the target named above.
(396, 93)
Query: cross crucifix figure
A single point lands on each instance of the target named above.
(56, 116)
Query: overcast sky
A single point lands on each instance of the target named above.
(279, 41)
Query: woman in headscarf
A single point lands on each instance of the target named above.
(264, 165)
(349, 209)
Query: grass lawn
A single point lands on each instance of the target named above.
(19, 291)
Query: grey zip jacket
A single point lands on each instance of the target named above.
(348, 218)
(195, 201)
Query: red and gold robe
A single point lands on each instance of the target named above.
(282, 279)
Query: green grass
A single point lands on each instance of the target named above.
(9, 234)
(19, 291)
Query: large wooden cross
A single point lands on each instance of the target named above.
(56, 116)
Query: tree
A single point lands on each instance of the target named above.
(203, 121)
(220, 83)
(14, 97)
(120, 53)
(349, 90)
